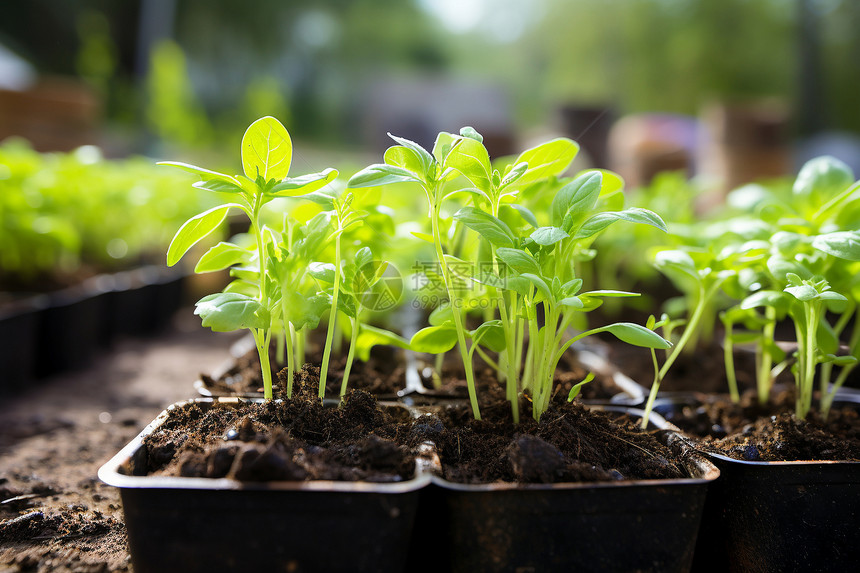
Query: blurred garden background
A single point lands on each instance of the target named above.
(730, 90)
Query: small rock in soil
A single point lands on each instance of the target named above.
(534, 460)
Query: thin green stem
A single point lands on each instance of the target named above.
(291, 364)
(332, 314)
(456, 312)
(764, 378)
(351, 354)
(261, 339)
(691, 328)
(652, 395)
(729, 360)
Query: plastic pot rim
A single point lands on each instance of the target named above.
(109, 472)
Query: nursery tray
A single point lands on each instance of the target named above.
(606, 526)
(779, 516)
(202, 524)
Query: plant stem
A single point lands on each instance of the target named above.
(512, 375)
(652, 395)
(261, 339)
(332, 315)
(261, 336)
(686, 336)
(437, 373)
(291, 364)
(351, 353)
(764, 379)
(729, 359)
(455, 311)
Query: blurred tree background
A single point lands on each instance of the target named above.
(193, 72)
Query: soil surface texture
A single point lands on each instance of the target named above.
(55, 514)
(382, 375)
(572, 443)
(752, 432)
(296, 440)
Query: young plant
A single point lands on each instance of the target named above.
(266, 157)
(409, 162)
(540, 272)
(360, 278)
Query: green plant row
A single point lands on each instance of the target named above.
(782, 253)
(506, 238)
(67, 214)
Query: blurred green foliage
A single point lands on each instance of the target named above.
(63, 214)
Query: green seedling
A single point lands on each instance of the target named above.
(409, 162)
(359, 279)
(266, 157)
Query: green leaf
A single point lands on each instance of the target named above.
(573, 302)
(781, 267)
(470, 158)
(195, 229)
(546, 236)
(424, 237)
(571, 287)
(370, 336)
(221, 256)
(678, 262)
(322, 272)
(445, 142)
(636, 335)
(577, 388)
(434, 339)
(304, 184)
(229, 311)
(526, 214)
(823, 174)
(601, 221)
(843, 244)
(205, 174)
(243, 287)
(266, 150)
(381, 174)
(364, 256)
(218, 186)
(540, 283)
(425, 159)
(471, 133)
(440, 315)
(610, 293)
(306, 310)
(519, 261)
(515, 173)
(802, 292)
(405, 158)
(547, 159)
(491, 335)
(577, 197)
(491, 228)
(346, 304)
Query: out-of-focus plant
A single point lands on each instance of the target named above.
(64, 215)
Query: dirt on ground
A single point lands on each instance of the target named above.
(55, 514)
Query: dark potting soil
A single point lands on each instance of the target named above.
(382, 375)
(295, 439)
(752, 432)
(572, 443)
(568, 373)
